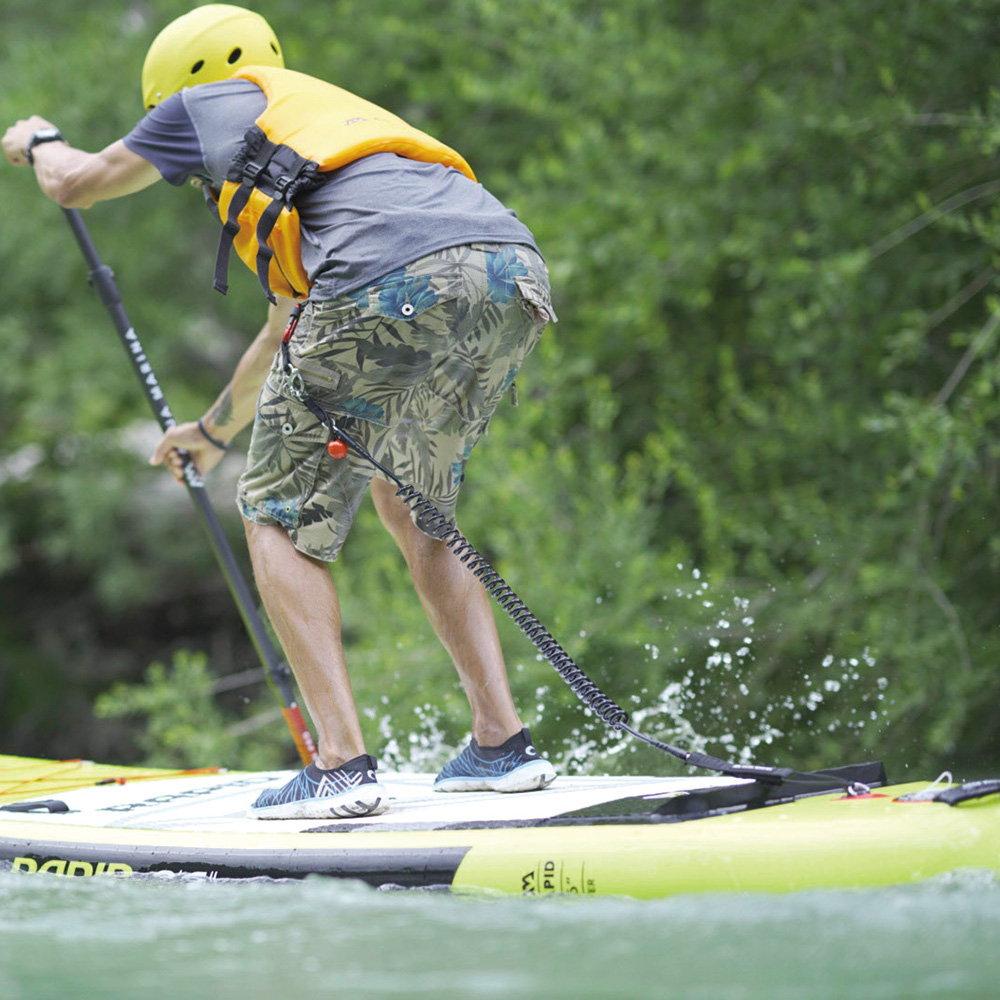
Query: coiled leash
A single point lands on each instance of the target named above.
(437, 524)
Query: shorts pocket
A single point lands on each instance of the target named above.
(286, 448)
(535, 299)
(403, 295)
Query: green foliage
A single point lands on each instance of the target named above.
(751, 485)
(182, 723)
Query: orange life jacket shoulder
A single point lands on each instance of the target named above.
(308, 128)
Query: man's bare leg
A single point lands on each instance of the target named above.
(459, 609)
(303, 606)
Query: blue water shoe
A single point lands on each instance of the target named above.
(344, 792)
(514, 766)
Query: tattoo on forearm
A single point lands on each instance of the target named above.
(222, 412)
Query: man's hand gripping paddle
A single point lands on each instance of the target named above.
(276, 670)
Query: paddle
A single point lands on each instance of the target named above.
(276, 670)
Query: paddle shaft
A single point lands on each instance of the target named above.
(277, 671)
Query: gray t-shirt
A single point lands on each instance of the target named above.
(370, 217)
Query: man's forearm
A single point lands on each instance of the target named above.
(72, 177)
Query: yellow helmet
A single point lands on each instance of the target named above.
(207, 44)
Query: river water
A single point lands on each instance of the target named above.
(109, 938)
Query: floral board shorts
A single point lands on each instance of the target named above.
(411, 366)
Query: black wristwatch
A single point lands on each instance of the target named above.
(37, 138)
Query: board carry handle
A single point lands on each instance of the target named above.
(969, 791)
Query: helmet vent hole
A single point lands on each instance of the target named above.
(274, 49)
(197, 66)
(234, 55)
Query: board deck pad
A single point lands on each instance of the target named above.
(219, 800)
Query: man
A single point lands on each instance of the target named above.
(423, 295)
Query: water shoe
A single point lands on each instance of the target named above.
(514, 766)
(344, 792)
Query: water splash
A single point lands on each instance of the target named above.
(839, 692)
(424, 748)
(720, 703)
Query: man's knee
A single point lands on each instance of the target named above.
(416, 546)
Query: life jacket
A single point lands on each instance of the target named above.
(307, 129)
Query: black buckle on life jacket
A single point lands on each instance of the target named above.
(252, 171)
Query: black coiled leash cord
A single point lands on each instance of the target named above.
(434, 522)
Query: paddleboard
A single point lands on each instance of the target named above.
(637, 836)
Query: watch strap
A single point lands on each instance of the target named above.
(37, 138)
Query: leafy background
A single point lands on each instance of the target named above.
(752, 482)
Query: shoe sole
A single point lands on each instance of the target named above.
(366, 800)
(531, 777)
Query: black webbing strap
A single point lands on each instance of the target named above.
(288, 174)
(265, 225)
(232, 226)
